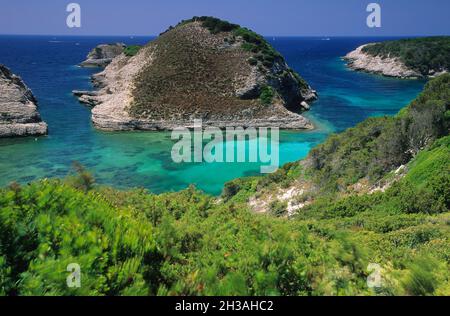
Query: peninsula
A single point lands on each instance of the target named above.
(203, 68)
(407, 58)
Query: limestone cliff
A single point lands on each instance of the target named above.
(203, 68)
(18, 109)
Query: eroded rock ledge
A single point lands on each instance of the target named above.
(18, 108)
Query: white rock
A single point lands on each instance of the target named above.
(392, 67)
(18, 108)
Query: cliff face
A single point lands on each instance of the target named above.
(103, 54)
(226, 77)
(18, 109)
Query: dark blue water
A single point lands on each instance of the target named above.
(142, 159)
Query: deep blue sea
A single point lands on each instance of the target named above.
(48, 65)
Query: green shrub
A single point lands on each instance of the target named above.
(132, 50)
(214, 25)
(420, 280)
(278, 208)
(50, 225)
(82, 179)
(267, 94)
(230, 189)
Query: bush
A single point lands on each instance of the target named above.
(267, 94)
(256, 44)
(215, 25)
(420, 280)
(230, 189)
(82, 179)
(132, 50)
(50, 225)
(278, 208)
(188, 243)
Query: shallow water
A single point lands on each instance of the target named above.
(142, 159)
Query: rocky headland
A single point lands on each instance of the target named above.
(18, 108)
(203, 68)
(102, 55)
(408, 58)
(387, 66)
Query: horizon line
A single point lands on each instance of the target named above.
(140, 35)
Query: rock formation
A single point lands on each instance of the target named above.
(103, 54)
(18, 109)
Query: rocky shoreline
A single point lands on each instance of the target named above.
(18, 108)
(390, 67)
(110, 123)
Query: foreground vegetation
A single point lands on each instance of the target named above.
(188, 243)
(425, 55)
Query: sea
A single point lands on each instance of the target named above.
(48, 65)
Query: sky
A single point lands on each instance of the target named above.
(267, 17)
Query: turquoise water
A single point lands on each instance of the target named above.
(142, 159)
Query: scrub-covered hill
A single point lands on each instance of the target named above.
(203, 68)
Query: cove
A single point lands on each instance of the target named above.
(143, 159)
